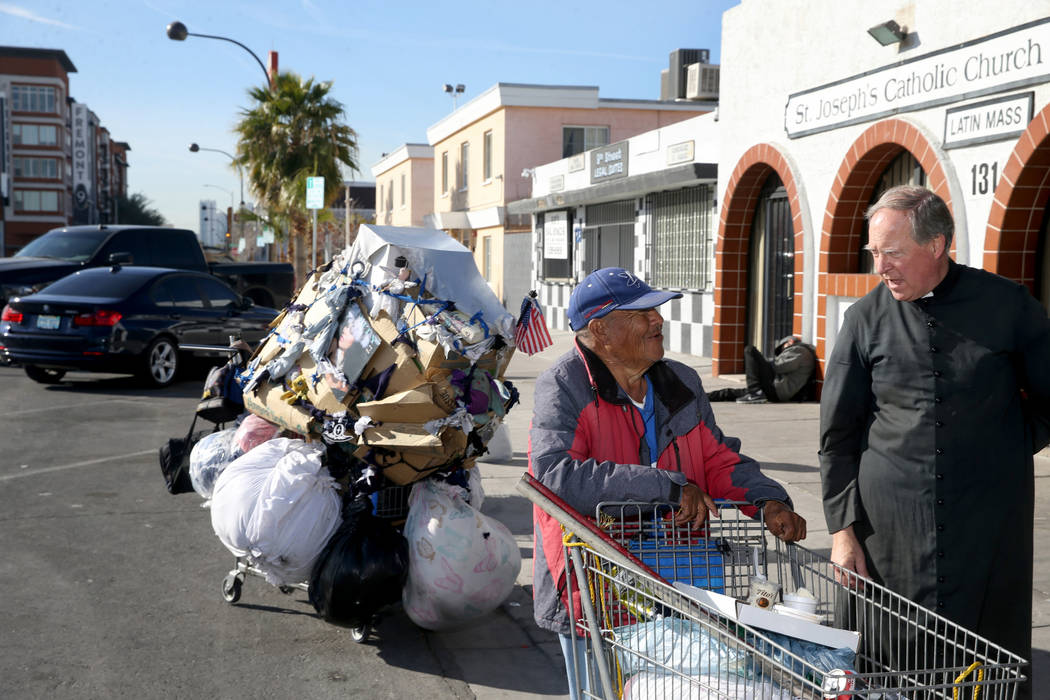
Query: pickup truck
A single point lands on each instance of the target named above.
(63, 251)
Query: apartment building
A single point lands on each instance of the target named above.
(485, 153)
(404, 189)
(58, 164)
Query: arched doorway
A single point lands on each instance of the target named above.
(733, 251)
(1016, 238)
(880, 157)
(771, 270)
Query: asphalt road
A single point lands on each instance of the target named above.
(112, 587)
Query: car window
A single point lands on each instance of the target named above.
(178, 250)
(96, 282)
(161, 294)
(129, 242)
(64, 245)
(183, 291)
(218, 294)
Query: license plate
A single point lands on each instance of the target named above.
(49, 323)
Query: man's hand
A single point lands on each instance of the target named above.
(783, 522)
(846, 552)
(694, 507)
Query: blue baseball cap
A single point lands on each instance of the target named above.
(609, 289)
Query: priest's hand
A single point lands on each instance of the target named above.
(694, 507)
(783, 522)
(847, 553)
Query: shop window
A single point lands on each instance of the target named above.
(682, 243)
(902, 170)
(608, 236)
(36, 200)
(555, 229)
(577, 139)
(33, 98)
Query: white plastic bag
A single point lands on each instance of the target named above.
(461, 564)
(277, 506)
(499, 446)
(209, 457)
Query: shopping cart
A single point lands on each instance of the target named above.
(389, 503)
(644, 638)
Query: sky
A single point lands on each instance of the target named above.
(387, 62)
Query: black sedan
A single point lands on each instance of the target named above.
(125, 320)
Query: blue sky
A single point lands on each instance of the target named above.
(387, 62)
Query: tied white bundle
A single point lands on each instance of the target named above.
(277, 506)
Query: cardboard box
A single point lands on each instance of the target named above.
(417, 405)
(756, 617)
(265, 401)
(405, 467)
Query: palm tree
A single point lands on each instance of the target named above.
(294, 131)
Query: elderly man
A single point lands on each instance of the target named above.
(613, 420)
(926, 446)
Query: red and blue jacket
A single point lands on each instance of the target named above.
(587, 444)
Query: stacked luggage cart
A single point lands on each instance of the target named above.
(654, 621)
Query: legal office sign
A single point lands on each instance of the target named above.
(996, 63)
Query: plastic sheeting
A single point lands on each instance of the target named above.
(209, 457)
(462, 564)
(449, 267)
(254, 431)
(277, 506)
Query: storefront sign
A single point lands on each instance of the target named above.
(83, 166)
(556, 235)
(1004, 61)
(992, 120)
(680, 153)
(609, 162)
(577, 163)
(556, 183)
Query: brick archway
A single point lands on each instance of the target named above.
(731, 252)
(858, 174)
(1011, 238)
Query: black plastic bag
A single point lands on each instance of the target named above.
(363, 568)
(175, 460)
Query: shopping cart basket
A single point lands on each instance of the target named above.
(644, 638)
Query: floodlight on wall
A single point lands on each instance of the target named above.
(888, 33)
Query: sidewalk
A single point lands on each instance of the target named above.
(782, 437)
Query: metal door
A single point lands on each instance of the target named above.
(780, 270)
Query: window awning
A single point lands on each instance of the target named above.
(633, 186)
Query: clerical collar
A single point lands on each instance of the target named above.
(944, 287)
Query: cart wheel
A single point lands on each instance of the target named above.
(231, 588)
(360, 633)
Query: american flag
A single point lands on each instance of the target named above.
(531, 335)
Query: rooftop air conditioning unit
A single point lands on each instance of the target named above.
(701, 82)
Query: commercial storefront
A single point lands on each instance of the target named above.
(645, 204)
(813, 132)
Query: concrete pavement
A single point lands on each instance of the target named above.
(783, 437)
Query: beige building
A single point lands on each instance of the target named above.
(485, 153)
(404, 185)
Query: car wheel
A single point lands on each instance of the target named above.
(44, 375)
(160, 363)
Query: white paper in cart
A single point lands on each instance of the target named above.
(278, 507)
(774, 622)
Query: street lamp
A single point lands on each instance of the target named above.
(194, 148)
(177, 32)
(454, 92)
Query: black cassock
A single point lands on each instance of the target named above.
(927, 451)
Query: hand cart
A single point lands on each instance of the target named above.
(644, 638)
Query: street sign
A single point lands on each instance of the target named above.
(315, 193)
